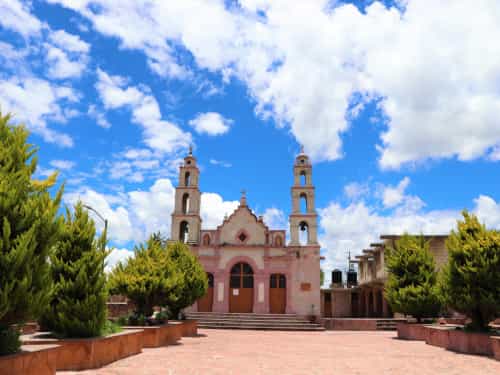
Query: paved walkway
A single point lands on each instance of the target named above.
(293, 353)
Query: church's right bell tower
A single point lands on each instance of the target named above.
(186, 219)
(303, 219)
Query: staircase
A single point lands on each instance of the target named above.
(276, 322)
(388, 324)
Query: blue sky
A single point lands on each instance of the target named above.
(398, 110)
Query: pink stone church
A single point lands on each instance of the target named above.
(253, 268)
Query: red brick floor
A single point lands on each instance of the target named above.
(290, 353)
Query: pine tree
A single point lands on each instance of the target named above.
(148, 278)
(411, 287)
(193, 281)
(29, 226)
(78, 306)
(471, 280)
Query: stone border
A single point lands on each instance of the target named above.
(32, 359)
(189, 327)
(91, 353)
(156, 336)
(411, 331)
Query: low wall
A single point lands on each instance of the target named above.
(470, 343)
(411, 331)
(32, 360)
(495, 346)
(344, 324)
(83, 354)
(438, 336)
(189, 327)
(156, 336)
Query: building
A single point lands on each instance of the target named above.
(251, 267)
(366, 300)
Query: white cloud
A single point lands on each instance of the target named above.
(62, 164)
(221, 163)
(355, 190)
(210, 123)
(116, 256)
(16, 16)
(214, 208)
(99, 117)
(313, 66)
(394, 195)
(160, 135)
(275, 218)
(69, 42)
(488, 210)
(35, 102)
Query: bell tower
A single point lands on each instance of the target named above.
(303, 219)
(186, 219)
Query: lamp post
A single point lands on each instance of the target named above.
(102, 218)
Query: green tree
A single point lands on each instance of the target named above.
(193, 278)
(148, 278)
(471, 279)
(29, 226)
(78, 305)
(411, 287)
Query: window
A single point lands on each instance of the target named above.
(187, 179)
(328, 297)
(241, 276)
(184, 232)
(303, 233)
(303, 202)
(277, 281)
(210, 278)
(278, 242)
(185, 203)
(206, 239)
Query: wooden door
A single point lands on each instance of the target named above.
(327, 310)
(277, 294)
(205, 303)
(241, 289)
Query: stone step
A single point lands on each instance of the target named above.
(270, 316)
(262, 327)
(221, 321)
(246, 319)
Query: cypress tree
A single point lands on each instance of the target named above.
(411, 287)
(78, 306)
(471, 278)
(193, 278)
(29, 226)
(148, 278)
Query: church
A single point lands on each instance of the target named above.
(252, 268)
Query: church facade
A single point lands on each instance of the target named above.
(253, 268)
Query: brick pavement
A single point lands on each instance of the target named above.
(298, 353)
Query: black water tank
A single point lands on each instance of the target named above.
(352, 278)
(336, 277)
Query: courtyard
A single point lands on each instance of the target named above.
(330, 352)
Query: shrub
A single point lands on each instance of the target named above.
(471, 279)
(29, 226)
(193, 282)
(78, 306)
(148, 279)
(411, 288)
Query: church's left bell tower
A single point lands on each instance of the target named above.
(186, 219)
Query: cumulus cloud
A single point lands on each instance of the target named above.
(210, 123)
(275, 218)
(394, 195)
(214, 208)
(314, 66)
(16, 16)
(159, 134)
(116, 256)
(62, 164)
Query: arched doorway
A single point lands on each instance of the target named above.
(205, 303)
(277, 293)
(241, 289)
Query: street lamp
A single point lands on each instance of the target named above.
(100, 217)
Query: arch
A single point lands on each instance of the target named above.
(278, 241)
(206, 239)
(303, 203)
(303, 178)
(304, 233)
(241, 288)
(185, 203)
(187, 179)
(184, 231)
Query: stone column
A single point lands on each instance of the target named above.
(260, 294)
(221, 285)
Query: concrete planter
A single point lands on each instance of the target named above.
(83, 354)
(31, 360)
(189, 327)
(470, 342)
(438, 336)
(156, 336)
(495, 346)
(411, 331)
